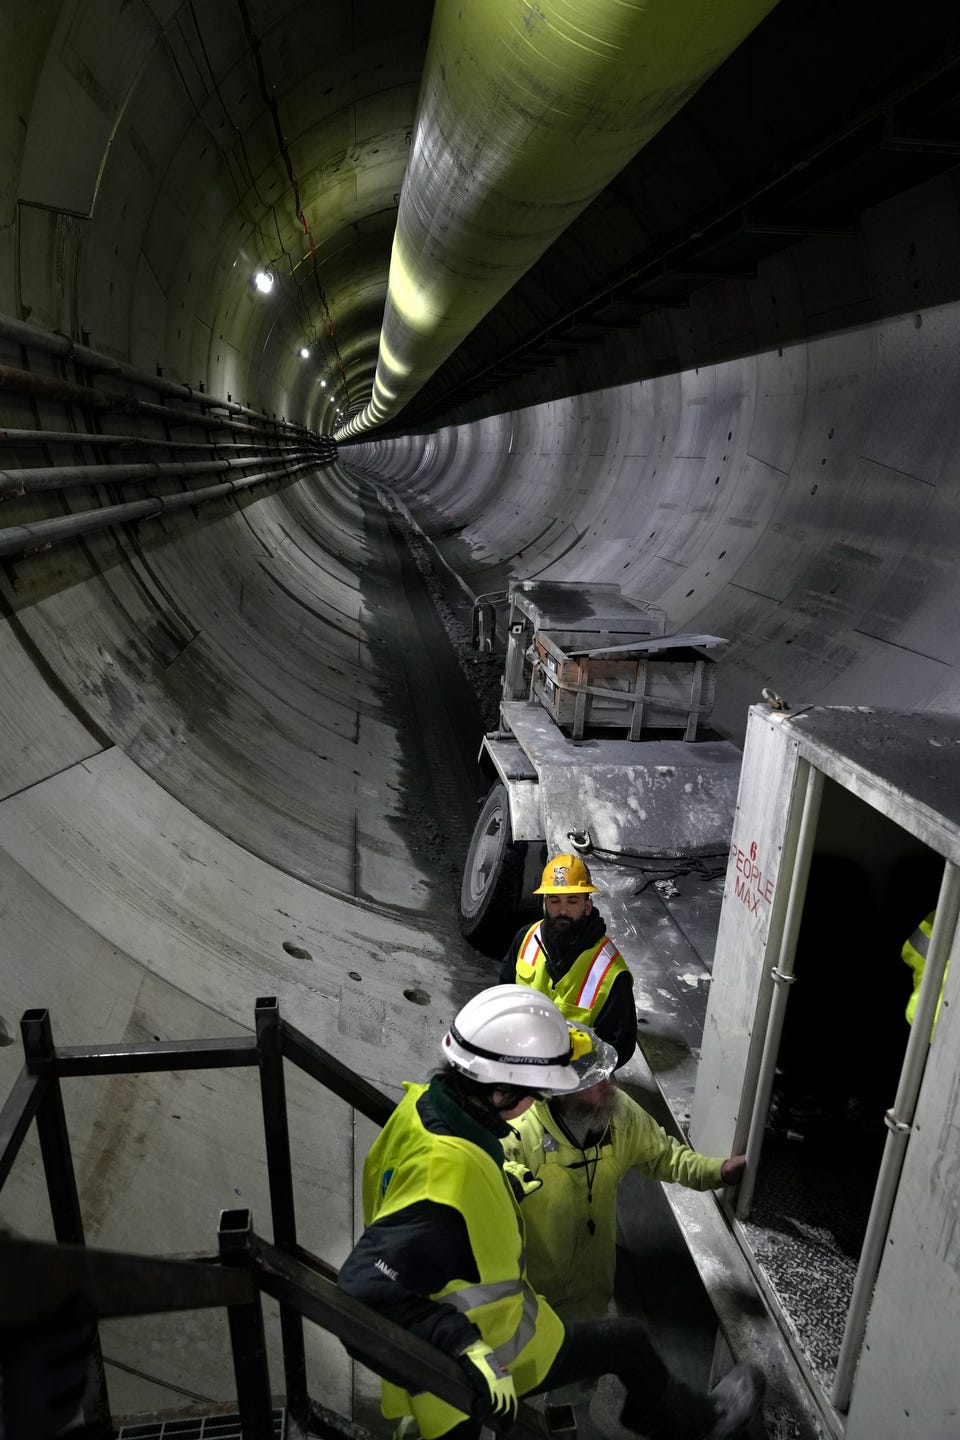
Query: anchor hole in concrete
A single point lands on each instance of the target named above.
(297, 951)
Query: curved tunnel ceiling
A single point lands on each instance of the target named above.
(236, 756)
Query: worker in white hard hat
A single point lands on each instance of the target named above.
(569, 957)
(443, 1249)
(574, 1148)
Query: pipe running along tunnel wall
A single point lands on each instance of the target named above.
(213, 776)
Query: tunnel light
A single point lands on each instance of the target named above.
(323, 384)
(304, 353)
(263, 280)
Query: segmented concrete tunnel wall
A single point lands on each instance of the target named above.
(204, 786)
(801, 499)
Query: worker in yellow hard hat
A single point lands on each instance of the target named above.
(569, 956)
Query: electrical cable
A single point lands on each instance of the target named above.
(270, 101)
(675, 864)
(242, 188)
(679, 871)
(223, 106)
(301, 309)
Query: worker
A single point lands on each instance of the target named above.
(914, 953)
(442, 1252)
(569, 956)
(574, 1148)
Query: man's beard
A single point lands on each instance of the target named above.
(588, 1110)
(562, 929)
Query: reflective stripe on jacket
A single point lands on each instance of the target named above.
(914, 952)
(569, 1262)
(409, 1163)
(582, 992)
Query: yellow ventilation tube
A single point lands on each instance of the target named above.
(527, 110)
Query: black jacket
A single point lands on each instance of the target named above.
(616, 1021)
(403, 1258)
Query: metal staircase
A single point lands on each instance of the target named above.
(39, 1278)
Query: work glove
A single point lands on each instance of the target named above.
(522, 1181)
(497, 1380)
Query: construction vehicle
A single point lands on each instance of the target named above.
(604, 749)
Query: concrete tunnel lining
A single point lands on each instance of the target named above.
(205, 752)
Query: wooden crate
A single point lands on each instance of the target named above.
(668, 690)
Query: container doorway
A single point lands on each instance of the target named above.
(838, 1065)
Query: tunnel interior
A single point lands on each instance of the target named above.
(241, 711)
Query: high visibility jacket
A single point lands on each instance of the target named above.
(571, 1221)
(582, 992)
(914, 952)
(409, 1163)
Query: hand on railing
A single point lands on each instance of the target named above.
(492, 1378)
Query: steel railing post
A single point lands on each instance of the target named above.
(280, 1174)
(247, 1340)
(40, 1056)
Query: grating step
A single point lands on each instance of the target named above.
(196, 1427)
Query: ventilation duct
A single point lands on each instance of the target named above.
(527, 110)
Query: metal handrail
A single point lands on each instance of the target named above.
(40, 1278)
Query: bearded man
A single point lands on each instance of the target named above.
(569, 957)
(579, 1147)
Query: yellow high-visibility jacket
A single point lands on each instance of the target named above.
(914, 952)
(582, 992)
(409, 1163)
(571, 1220)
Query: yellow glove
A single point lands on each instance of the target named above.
(522, 1181)
(498, 1380)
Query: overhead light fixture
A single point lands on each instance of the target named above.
(304, 353)
(323, 384)
(263, 280)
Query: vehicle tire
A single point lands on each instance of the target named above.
(490, 891)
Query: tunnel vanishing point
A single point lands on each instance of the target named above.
(292, 294)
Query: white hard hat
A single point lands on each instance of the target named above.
(591, 1059)
(512, 1035)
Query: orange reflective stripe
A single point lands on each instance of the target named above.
(532, 938)
(606, 956)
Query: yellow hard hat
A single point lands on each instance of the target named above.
(566, 875)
